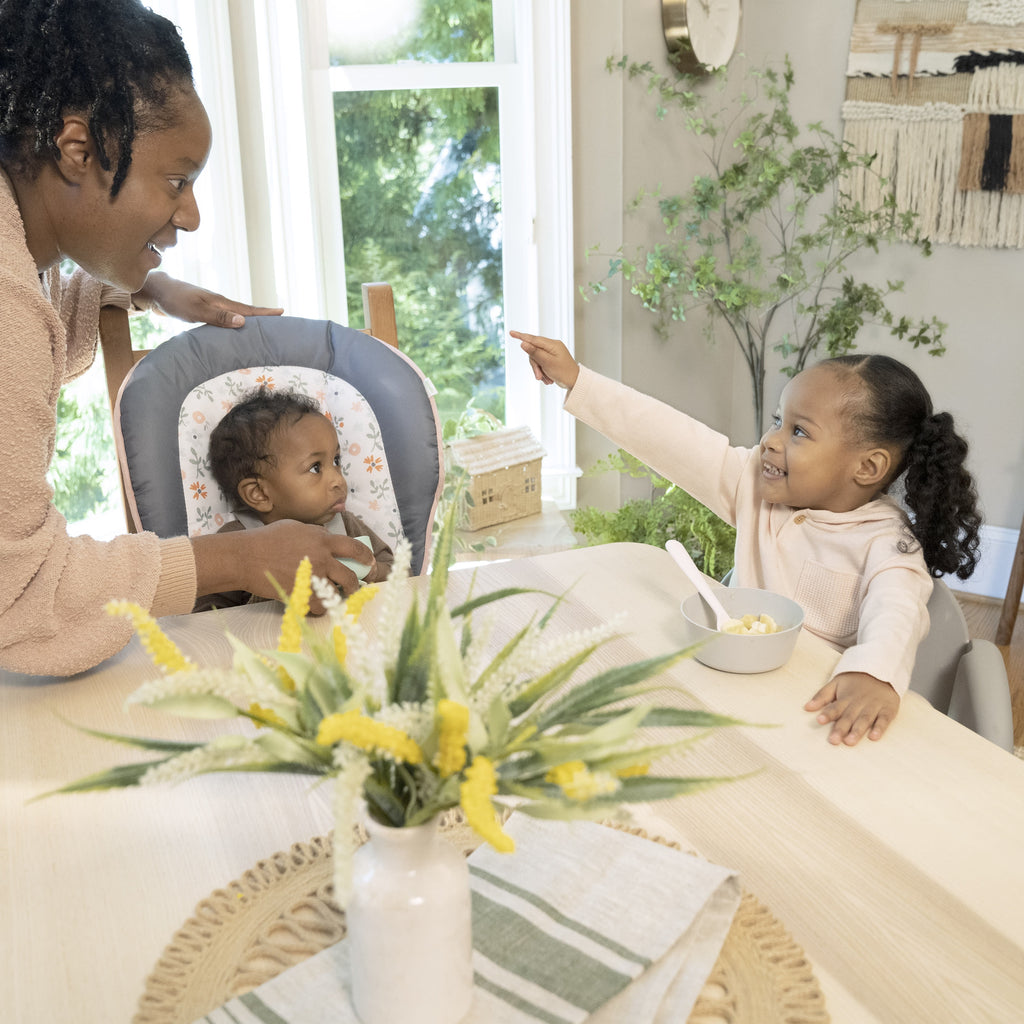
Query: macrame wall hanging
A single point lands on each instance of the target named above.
(935, 88)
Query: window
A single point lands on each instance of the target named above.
(420, 155)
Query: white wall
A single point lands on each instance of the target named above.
(619, 146)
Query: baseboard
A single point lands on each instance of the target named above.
(990, 578)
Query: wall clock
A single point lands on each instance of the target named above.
(700, 34)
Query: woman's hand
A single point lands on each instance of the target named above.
(193, 304)
(552, 362)
(857, 704)
(246, 559)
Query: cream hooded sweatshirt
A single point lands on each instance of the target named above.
(859, 576)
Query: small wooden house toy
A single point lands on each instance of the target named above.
(504, 475)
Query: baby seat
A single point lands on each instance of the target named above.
(379, 401)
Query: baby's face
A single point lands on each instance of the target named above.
(305, 482)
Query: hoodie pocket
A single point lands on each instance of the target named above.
(831, 602)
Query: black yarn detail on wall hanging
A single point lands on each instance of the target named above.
(997, 153)
(974, 61)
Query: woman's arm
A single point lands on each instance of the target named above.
(193, 304)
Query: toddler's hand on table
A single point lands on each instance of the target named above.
(856, 704)
(552, 362)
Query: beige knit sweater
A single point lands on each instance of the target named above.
(53, 587)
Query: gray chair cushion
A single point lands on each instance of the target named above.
(150, 401)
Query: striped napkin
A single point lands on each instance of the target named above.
(581, 923)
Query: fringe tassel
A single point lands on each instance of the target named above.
(919, 152)
(997, 90)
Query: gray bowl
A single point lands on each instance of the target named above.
(736, 652)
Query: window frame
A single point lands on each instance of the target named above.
(279, 237)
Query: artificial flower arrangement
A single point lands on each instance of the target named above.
(415, 716)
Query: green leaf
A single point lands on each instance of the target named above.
(674, 718)
(543, 685)
(143, 742)
(121, 777)
(603, 689)
(195, 705)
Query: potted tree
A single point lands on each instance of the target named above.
(762, 240)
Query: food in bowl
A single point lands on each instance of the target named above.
(752, 625)
(743, 652)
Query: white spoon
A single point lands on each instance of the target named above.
(699, 580)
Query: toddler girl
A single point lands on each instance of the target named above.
(810, 505)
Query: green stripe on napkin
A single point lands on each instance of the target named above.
(556, 915)
(260, 1010)
(523, 1005)
(522, 947)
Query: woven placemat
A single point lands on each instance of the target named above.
(281, 911)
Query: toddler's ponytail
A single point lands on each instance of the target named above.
(941, 496)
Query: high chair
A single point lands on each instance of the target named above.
(381, 404)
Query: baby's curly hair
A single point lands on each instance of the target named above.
(114, 61)
(895, 410)
(243, 440)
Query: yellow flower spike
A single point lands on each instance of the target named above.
(578, 782)
(340, 644)
(355, 603)
(475, 792)
(632, 770)
(452, 741)
(268, 714)
(297, 609)
(361, 731)
(161, 649)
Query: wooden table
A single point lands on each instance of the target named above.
(895, 864)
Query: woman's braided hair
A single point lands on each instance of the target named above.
(113, 61)
(896, 411)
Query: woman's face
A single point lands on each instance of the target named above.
(119, 240)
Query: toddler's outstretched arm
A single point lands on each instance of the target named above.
(552, 362)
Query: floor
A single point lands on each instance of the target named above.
(982, 614)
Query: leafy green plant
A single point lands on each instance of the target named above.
(762, 240)
(418, 715)
(670, 513)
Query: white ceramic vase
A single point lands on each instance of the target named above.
(409, 925)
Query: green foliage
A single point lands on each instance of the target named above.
(421, 207)
(767, 234)
(671, 513)
(419, 174)
(82, 472)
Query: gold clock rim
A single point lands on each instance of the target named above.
(675, 28)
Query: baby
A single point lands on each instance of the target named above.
(276, 456)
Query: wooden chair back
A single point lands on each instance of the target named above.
(119, 357)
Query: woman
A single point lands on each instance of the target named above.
(102, 137)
